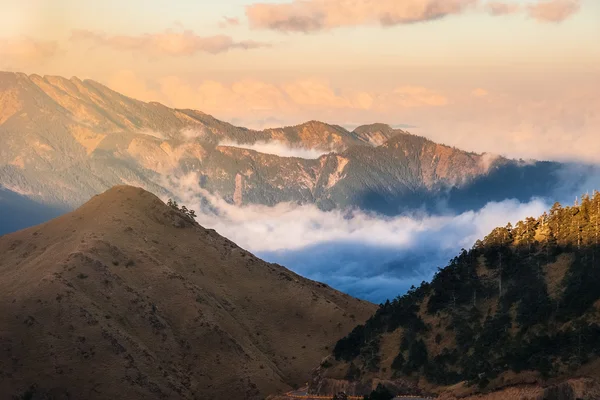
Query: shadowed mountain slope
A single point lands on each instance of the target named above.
(522, 307)
(127, 298)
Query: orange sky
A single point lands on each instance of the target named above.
(515, 77)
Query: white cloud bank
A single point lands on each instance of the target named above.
(366, 255)
(278, 148)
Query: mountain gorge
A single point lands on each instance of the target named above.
(129, 298)
(519, 309)
(65, 140)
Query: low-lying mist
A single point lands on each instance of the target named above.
(367, 255)
(278, 149)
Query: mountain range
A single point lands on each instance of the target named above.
(65, 140)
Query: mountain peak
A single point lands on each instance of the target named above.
(376, 134)
(319, 125)
(132, 204)
(177, 311)
(376, 126)
(121, 195)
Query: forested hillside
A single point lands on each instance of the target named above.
(522, 304)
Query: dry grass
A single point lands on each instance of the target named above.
(167, 309)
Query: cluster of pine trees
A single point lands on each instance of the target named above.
(498, 301)
(190, 214)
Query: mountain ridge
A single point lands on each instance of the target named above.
(173, 308)
(67, 140)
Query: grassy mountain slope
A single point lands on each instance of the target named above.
(126, 298)
(522, 306)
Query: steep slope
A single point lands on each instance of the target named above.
(65, 140)
(127, 298)
(522, 307)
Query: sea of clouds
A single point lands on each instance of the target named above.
(367, 255)
(278, 149)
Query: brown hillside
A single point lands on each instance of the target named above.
(125, 298)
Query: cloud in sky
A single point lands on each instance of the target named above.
(317, 15)
(278, 148)
(169, 42)
(498, 8)
(415, 96)
(229, 21)
(559, 125)
(263, 100)
(367, 255)
(309, 16)
(26, 50)
(553, 10)
(528, 120)
(479, 92)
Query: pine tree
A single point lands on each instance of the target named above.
(554, 226)
(595, 224)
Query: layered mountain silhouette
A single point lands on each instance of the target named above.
(127, 297)
(65, 140)
(518, 313)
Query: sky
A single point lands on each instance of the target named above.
(514, 77)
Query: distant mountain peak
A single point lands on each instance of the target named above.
(376, 126)
(376, 134)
